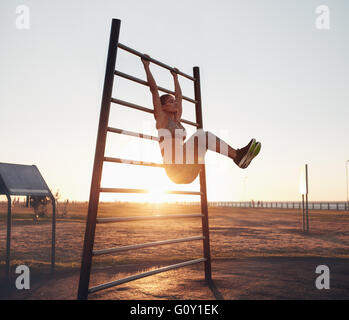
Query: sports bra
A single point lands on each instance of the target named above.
(172, 125)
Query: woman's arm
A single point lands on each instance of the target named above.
(178, 94)
(153, 89)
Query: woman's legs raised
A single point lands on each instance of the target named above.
(218, 145)
(242, 157)
(193, 151)
(196, 146)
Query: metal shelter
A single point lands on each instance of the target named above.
(100, 158)
(24, 180)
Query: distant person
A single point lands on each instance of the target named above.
(167, 113)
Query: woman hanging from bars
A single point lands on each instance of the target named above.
(182, 160)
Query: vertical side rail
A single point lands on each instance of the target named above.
(204, 209)
(8, 238)
(98, 162)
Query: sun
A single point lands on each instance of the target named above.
(156, 195)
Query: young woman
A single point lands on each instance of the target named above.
(178, 155)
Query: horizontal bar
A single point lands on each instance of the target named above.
(145, 245)
(134, 162)
(141, 55)
(132, 133)
(122, 190)
(145, 83)
(131, 105)
(153, 217)
(143, 275)
(135, 106)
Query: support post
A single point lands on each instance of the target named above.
(98, 161)
(204, 209)
(346, 172)
(306, 197)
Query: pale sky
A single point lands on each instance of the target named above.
(266, 72)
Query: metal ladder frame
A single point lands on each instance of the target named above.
(100, 158)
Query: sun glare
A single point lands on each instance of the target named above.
(156, 195)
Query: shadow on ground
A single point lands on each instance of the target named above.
(249, 278)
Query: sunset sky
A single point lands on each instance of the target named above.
(266, 71)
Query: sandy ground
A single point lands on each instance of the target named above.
(256, 254)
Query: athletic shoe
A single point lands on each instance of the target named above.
(255, 152)
(245, 153)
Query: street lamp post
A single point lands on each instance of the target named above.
(346, 167)
(306, 198)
